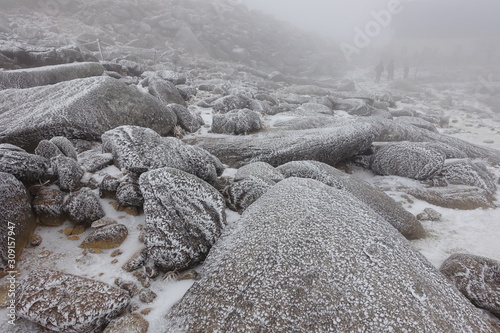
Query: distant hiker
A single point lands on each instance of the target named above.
(379, 70)
(407, 68)
(390, 70)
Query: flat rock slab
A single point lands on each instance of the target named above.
(139, 149)
(184, 217)
(328, 145)
(307, 257)
(81, 109)
(42, 76)
(68, 303)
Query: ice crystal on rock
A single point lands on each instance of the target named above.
(228, 103)
(243, 193)
(261, 170)
(242, 121)
(25, 167)
(184, 217)
(68, 172)
(83, 207)
(68, 303)
(141, 149)
(309, 257)
(469, 173)
(185, 118)
(65, 146)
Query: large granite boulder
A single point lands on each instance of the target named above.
(370, 196)
(165, 91)
(329, 145)
(230, 102)
(83, 207)
(33, 56)
(307, 257)
(467, 172)
(139, 149)
(185, 118)
(83, 109)
(68, 303)
(184, 218)
(242, 121)
(25, 167)
(42, 76)
(407, 159)
(260, 170)
(241, 194)
(17, 220)
(478, 278)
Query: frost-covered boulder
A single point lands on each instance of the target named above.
(184, 217)
(477, 278)
(260, 170)
(242, 121)
(16, 219)
(83, 207)
(25, 167)
(47, 149)
(370, 196)
(230, 102)
(165, 91)
(68, 172)
(329, 145)
(418, 122)
(129, 194)
(310, 109)
(65, 146)
(42, 76)
(467, 172)
(309, 257)
(48, 206)
(141, 149)
(107, 237)
(174, 77)
(307, 90)
(68, 303)
(354, 106)
(83, 109)
(447, 150)
(130, 323)
(185, 118)
(35, 56)
(245, 192)
(407, 159)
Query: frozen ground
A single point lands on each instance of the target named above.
(475, 231)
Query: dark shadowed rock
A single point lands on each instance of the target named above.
(370, 196)
(25, 167)
(83, 109)
(83, 207)
(243, 193)
(467, 172)
(165, 91)
(307, 257)
(228, 103)
(65, 146)
(68, 172)
(48, 206)
(47, 149)
(107, 237)
(478, 278)
(42, 76)
(260, 170)
(129, 194)
(68, 303)
(140, 149)
(184, 218)
(329, 145)
(16, 220)
(236, 122)
(185, 118)
(407, 159)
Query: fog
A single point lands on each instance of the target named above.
(452, 28)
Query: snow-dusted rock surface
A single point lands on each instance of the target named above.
(373, 198)
(309, 257)
(83, 108)
(47, 149)
(467, 172)
(65, 146)
(241, 121)
(131, 323)
(243, 193)
(68, 303)
(477, 278)
(25, 167)
(165, 91)
(185, 118)
(407, 159)
(329, 145)
(107, 237)
(48, 206)
(17, 220)
(83, 207)
(42, 76)
(184, 217)
(228, 103)
(141, 149)
(68, 172)
(261, 170)
(129, 194)
(417, 122)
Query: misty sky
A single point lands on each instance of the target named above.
(431, 18)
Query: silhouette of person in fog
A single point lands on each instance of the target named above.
(379, 70)
(390, 70)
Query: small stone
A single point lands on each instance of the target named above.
(132, 323)
(136, 261)
(108, 186)
(73, 238)
(116, 253)
(114, 261)
(130, 287)
(429, 214)
(146, 311)
(104, 222)
(67, 231)
(143, 278)
(147, 296)
(190, 274)
(107, 237)
(78, 230)
(95, 250)
(44, 254)
(129, 194)
(35, 240)
(489, 141)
